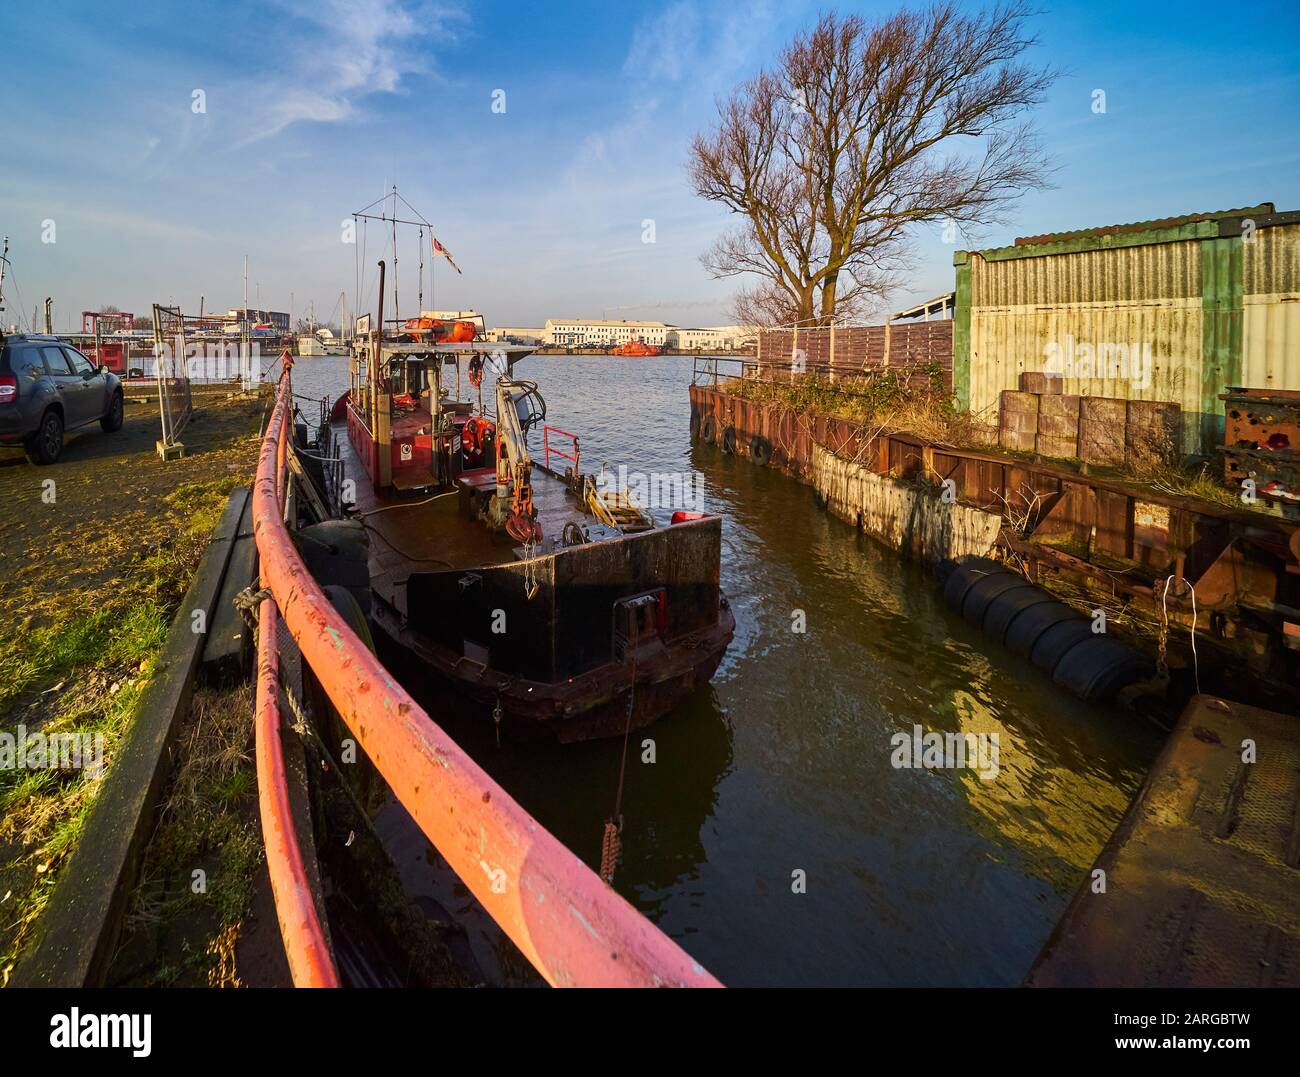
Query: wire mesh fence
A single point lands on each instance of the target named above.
(175, 404)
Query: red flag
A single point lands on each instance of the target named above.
(438, 248)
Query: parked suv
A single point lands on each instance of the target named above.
(47, 387)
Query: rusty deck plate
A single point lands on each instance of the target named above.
(1202, 883)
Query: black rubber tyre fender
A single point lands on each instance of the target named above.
(760, 450)
(709, 429)
(345, 602)
(337, 552)
(729, 440)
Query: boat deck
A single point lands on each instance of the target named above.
(426, 530)
(1202, 886)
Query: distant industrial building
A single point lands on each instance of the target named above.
(610, 334)
(713, 338)
(513, 334)
(237, 316)
(605, 334)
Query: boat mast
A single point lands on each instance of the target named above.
(397, 314)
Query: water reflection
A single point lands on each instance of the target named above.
(782, 765)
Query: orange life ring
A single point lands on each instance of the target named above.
(476, 371)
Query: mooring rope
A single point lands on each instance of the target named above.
(1164, 633)
(611, 844)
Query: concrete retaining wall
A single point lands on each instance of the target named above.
(843, 462)
(912, 520)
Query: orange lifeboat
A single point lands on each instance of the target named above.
(443, 331)
(636, 348)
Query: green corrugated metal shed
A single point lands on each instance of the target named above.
(1175, 309)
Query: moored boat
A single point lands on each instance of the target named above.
(636, 349)
(530, 592)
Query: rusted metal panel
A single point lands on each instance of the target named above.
(1162, 224)
(1262, 443)
(1201, 887)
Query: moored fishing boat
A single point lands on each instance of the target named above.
(533, 593)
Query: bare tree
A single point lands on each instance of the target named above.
(860, 135)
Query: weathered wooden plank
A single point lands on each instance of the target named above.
(228, 637)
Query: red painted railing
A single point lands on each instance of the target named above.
(574, 929)
(547, 431)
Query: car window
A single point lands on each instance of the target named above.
(80, 364)
(25, 360)
(55, 361)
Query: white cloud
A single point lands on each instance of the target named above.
(339, 52)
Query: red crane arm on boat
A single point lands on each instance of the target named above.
(574, 929)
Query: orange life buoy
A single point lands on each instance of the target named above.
(476, 371)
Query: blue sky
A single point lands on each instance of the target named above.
(314, 108)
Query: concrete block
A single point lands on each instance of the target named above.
(1042, 382)
(1017, 420)
(1058, 416)
(1066, 448)
(1153, 433)
(1102, 424)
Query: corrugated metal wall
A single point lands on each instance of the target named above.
(1169, 314)
(1271, 333)
(1123, 322)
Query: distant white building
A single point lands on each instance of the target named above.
(513, 334)
(713, 338)
(603, 334)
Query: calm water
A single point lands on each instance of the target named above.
(783, 763)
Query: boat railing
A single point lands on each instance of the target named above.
(573, 928)
(548, 448)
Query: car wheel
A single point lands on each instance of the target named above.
(46, 445)
(112, 420)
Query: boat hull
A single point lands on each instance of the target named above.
(589, 706)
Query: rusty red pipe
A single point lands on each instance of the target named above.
(311, 964)
(574, 929)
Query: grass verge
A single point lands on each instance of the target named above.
(80, 656)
